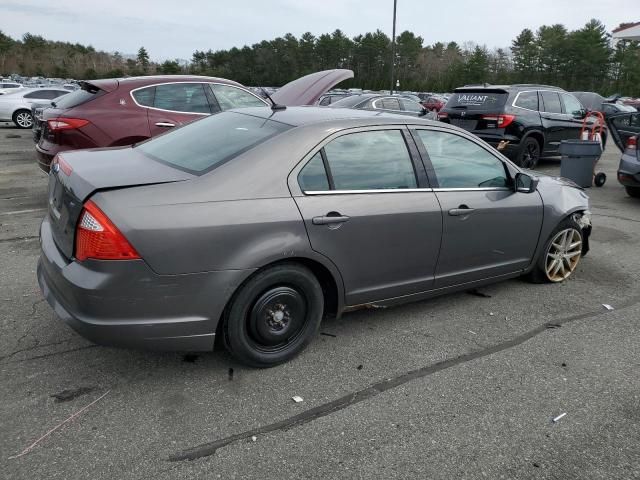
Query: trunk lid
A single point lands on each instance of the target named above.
(308, 89)
(79, 174)
(467, 106)
(622, 127)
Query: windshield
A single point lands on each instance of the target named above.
(205, 144)
(478, 100)
(348, 102)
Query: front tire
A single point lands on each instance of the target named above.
(561, 254)
(273, 316)
(633, 191)
(23, 119)
(529, 153)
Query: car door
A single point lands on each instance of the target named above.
(368, 209)
(622, 127)
(574, 112)
(489, 230)
(172, 104)
(554, 121)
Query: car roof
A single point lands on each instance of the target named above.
(515, 86)
(303, 116)
(110, 84)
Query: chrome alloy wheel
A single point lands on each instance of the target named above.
(24, 120)
(563, 254)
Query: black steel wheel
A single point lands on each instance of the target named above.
(273, 316)
(529, 153)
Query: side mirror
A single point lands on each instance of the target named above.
(525, 183)
(580, 114)
(424, 112)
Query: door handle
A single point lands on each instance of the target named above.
(165, 124)
(329, 219)
(461, 210)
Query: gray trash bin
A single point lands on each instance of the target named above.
(579, 159)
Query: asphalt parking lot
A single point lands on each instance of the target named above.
(463, 386)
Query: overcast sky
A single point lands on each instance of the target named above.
(174, 29)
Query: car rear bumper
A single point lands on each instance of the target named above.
(629, 171)
(125, 304)
(44, 158)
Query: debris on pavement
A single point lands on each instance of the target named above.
(557, 419)
(71, 393)
(359, 367)
(34, 444)
(297, 399)
(491, 314)
(607, 306)
(470, 331)
(478, 293)
(328, 334)
(231, 374)
(552, 325)
(254, 438)
(190, 358)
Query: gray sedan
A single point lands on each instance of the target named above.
(252, 225)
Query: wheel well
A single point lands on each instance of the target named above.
(539, 137)
(20, 110)
(322, 274)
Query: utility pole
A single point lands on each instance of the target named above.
(393, 47)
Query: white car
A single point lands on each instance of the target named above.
(8, 87)
(16, 106)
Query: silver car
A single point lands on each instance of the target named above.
(16, 106)
(252, 225)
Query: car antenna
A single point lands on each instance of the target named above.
(274, 105)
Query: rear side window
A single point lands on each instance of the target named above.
(460, 163)
(325, 101)
(203, 145)
(478, 100)
(145, 96)
(231, 97)
(528, 100)
(181, 97)
(313, 177)
(370, 161)
(551, 101)
(78, 97)
(388, 104)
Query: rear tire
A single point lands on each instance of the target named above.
(633, 191)
(561, 254)
(529, 153)
(23, 119)
(273, 316)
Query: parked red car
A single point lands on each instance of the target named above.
(434, 103)
(120, 112)
(117, 112)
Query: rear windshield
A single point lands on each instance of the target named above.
(478, 100)
(78, 97)
(205, 144)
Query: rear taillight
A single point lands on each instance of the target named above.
(63, 123)
(98, 238)
(502, 121)
(62, 165)
(632, 143)
(443, 115)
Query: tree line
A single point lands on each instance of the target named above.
(583, 59)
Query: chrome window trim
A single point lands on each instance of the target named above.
(473, 189)
(355, 192)
(180, 111)
(373, 104)
(513, 104)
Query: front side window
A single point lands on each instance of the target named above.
(201, 146)
(528, 100)
(231, 97)
(370, 161)
(551, 102)
(461, 163)
(571, 104)
(181, 97)
(411, 106)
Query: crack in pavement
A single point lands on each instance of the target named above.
(33, 347)
(210, 448)
(616, 217)
(53, 354)
(17, 239)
